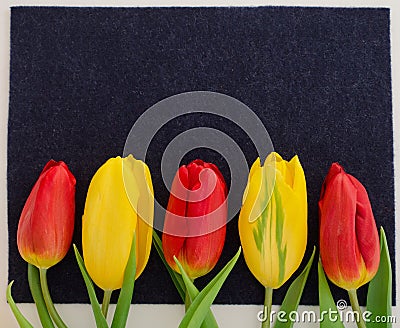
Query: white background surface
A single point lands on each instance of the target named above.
(168, 316)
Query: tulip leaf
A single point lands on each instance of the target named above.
(98, 315)
(293, 295)
(379, 297)
(36, 291)
(326, 303)
(176, 277)
(202, 303)
(126, 293)
(22, 321)
(209, 321)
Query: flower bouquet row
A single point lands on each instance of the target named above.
(117, 235)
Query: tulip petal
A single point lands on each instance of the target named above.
(145, 211)
(254, 201)
(340, 256)
(108, 224)
(175, 226)
(273, 220)
(366, 231)
(194, 227)
(204, 245)
(348, 236)
(47, 220)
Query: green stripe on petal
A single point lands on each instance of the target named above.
(280, 220)
(258, 233)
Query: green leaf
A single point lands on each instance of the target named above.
(22, 321)
(201, 304)
(326, 303)
(99, 317)
(126, 293)
(36, 291)
(293, 295)
(209, 321)
(176, 277)
(379, 297)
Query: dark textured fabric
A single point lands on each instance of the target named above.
(319, 79)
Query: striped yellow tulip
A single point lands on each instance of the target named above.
(119, 203)
(273, 220)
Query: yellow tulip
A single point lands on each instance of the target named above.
(119, 203)
(273, 220)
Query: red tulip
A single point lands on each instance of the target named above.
(349, 239)
(195, 222)
(47, 220)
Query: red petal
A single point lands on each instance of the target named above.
(47, 220)
(175, 228)
(207, 226)
(334, 170)
(339, 250)
(366, 231)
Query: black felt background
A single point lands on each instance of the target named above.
(319, 79)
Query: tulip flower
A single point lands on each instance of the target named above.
(273, 222)
(47, 220)
(349, 241)
(47, 223)
(119, 204)
(195, 222)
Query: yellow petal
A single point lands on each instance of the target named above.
(274, 243)
(110, 220)
(145, 212)
(253, 195)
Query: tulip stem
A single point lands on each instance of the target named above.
(267, 308)
(356, 308)
(47, 299)
(106, 302)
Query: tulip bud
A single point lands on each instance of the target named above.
(195, 222)
(119, 203)
(273, 220)
(349, 241)
(47, 220)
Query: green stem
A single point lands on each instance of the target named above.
(36, 291)
(356, 308)
(47, 299)
(267, 308)
(106, 302)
